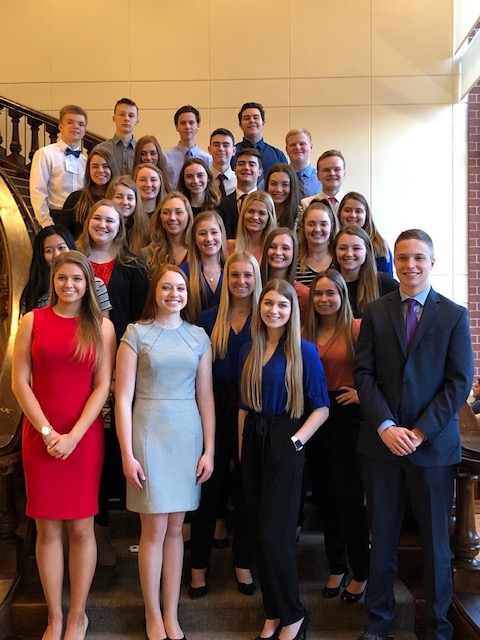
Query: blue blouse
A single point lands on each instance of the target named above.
(274, 390)
(385, 265)
(213, 297)
(227, 368)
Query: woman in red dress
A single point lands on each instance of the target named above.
(62, 368)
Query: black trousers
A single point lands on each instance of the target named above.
(336, 478)
(272, 476)
(431, 495)
(203, 519)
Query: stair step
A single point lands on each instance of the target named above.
(232, 635)
(115, 603)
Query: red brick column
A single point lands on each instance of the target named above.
(474, 219)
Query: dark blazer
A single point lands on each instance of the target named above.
(228, 210)
(127, 290)
(422, 389)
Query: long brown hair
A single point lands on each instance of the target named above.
(287, 212)
(150, 309)
(251, 382)
(89, 336)
(344, 317)
(88, 197)
(368, 288)
(322, 205)
(161, 162)
(212, 195)
(138, 230)
(159, 250)
(291, 269)
(198, 288)
(379, 244)
(121, 250)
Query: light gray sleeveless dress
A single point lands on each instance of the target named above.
(167, 430)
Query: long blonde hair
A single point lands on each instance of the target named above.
(251, 382)
(198, 288)
(221, 329)
(160, 249)
(243, 239)
(89, 336)
(313, 325)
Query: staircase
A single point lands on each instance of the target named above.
(115, 606)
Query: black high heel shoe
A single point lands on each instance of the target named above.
(274, 635)
(196, 593)
(351, 598)
(333, 592)
(302, 632)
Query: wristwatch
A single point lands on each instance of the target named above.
(297, 443)
(46, 430)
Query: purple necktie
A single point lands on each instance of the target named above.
(411, 322)
(221, 179)
(188, 153)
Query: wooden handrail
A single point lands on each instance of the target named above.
(18, 143)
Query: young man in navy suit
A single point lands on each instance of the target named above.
(414, 368)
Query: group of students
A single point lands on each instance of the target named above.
(236, 349)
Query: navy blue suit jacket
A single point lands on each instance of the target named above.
(422, 389)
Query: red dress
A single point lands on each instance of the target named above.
(61, 489)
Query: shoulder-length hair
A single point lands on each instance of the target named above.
(287, 212)
(321, 204)
(160, 248)
(150, 309)
(162, 192)
(243, 239)
(313, 326)
(198, 288)
(368, 289)
(379, 244)
(251, 382)
(39, 277)
(161, 162)
(88, 197)
(212, 195)
(119, 246)
(137, 225)
(291, 269)
(223, 323)
(89, 336)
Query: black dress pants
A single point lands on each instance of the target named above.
(272, 476)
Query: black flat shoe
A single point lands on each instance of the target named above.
(247, 589)
(333, 592)
(184, 638)
(221, 543)
(196, 593)
(351, 598)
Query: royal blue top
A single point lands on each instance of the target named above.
(274, 390)
(226, 369)
(385, 265)
(213, 297)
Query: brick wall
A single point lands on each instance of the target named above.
(474, 218)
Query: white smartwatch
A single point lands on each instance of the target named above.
(46, 430)
(297, 443)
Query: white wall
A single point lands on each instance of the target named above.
(370, 77)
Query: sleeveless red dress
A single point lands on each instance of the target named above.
(61, 489)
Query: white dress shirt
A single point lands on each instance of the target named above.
(53, 177)
(338, 197)
(230, 182)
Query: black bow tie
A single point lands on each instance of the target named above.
(71, 152)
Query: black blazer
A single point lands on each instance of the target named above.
(422, 389)
(228, 210)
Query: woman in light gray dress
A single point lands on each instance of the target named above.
(166, 438)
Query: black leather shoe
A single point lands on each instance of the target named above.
(333, 592)
(351, 598)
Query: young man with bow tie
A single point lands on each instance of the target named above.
(59, 168)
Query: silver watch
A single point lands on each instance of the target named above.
(46, 430)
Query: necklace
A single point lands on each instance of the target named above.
(212, 278)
